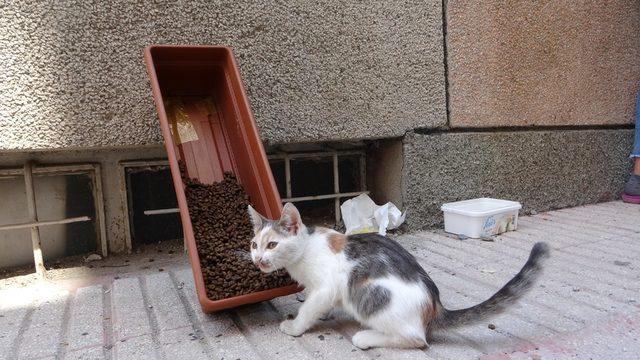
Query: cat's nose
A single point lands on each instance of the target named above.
(261, 263)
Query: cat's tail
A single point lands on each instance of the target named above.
(509, 294)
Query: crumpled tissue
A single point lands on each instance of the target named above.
(362, 215)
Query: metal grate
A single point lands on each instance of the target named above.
(334, 156)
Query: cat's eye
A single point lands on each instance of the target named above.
(271, 245)
(254, 245)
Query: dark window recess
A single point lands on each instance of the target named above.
(81, 236)
(350, 175)
(277, 168)
(312, 176)
(317, 212)
(151, 188)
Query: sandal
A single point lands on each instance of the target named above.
(631, 193)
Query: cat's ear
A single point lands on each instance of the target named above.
(256, 219)
(290, 220)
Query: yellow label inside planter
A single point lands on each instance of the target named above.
(182, 128)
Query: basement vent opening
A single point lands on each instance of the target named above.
(151, 203)
(50, 213)
(318, 182)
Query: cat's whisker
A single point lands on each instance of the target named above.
(243, 255)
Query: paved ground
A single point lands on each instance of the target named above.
(586, 306)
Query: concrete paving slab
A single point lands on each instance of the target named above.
(165, 303)
(507, 264)
(222, 335)
(42, 336)
(260, 324)
(14, 311)
(138, 347)
(85, 324)
(184, 343)
(130, 317)
(94, 353)
(571, 263)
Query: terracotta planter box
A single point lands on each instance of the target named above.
(222, 139)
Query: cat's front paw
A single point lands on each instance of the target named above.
(360, 340)
(289, 327)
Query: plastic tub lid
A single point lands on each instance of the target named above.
(480, 207)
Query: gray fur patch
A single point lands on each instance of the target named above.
(376, 257)
(275, 225)
(370, 299)
(269, 223)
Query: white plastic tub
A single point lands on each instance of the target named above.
(481, 217)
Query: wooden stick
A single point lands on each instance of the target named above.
(323, 197)
(44, 223)
(161, 211)
(33, 215)
(336, 187)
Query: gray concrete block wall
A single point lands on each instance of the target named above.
(542, 169)
(73, 73)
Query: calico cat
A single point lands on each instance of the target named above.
(372, 278)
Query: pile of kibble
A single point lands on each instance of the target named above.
(223, 231)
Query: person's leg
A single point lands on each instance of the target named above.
(632, 187)
(635, 154)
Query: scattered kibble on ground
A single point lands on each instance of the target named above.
(223, 231)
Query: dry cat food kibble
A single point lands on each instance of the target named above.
(222, 230)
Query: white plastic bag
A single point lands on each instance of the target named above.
(362, 215)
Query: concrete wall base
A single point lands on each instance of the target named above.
(543, 170)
